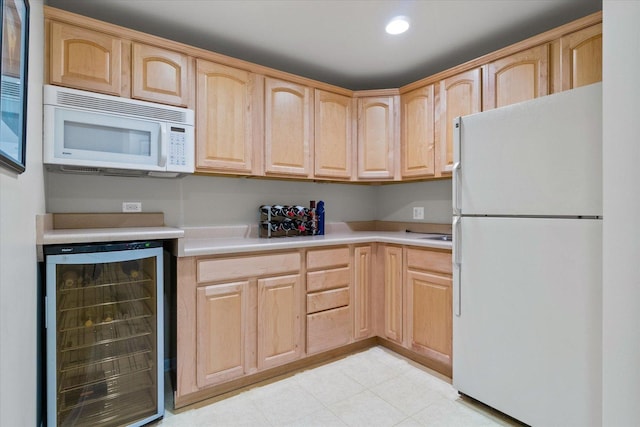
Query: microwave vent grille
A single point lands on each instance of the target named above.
(120, 107)
(10, 89)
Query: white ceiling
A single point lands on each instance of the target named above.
(342, 42)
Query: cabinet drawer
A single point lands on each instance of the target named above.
(210, 270)
(440, 262)
(328, 329)
(327, 258)
(321, 301)
(330, 279)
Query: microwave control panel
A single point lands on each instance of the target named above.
(177, 146)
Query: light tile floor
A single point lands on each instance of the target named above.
(373, 388)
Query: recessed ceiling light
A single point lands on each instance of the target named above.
(398, 25)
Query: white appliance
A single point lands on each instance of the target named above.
(527, 201)
(86, 132)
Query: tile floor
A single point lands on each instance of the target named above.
(373, 388)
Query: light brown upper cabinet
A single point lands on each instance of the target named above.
(288, 128)
(227, 124)
(417, 133)
(581, 57)
(459, 95)
(85, 59)
(160, 75)
(377, 136)
(333, 135)
(519, 77)
(91, 60)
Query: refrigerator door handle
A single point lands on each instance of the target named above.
(456, 193)
(456, 169)
(456, 266)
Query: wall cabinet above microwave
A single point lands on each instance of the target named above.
(91, 60)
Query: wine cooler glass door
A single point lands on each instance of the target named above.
(104, 338)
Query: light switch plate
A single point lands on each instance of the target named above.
(418, 212)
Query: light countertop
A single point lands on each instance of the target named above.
(239, 239)
(90, 235)
(197, 241)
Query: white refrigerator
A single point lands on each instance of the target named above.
(527, 249)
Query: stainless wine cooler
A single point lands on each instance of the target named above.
(104, 334)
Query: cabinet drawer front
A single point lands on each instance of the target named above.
(440, 262)
(210, 270)
(321, 301)
(330, 279)
(327, 258)
(328, 329)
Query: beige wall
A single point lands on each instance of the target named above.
(621, 203)
(21, 198)
(396, 202)
(203, 200)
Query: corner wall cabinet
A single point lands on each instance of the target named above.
(377, 137)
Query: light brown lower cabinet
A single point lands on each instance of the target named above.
(279, 339)
(329, 322)
(417, 302)
(428, 310)
(239, 317)
(236, 316)
(393, 269)
(429, 315)
(221, 332)
(363, 325)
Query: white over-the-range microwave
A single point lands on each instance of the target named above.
(91, 133)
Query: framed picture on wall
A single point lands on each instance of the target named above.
(14, 45)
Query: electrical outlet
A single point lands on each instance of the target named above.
(131, 207)
(418, 212)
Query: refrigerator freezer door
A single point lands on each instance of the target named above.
(527, 340)
(538, 158)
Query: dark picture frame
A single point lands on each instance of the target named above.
(14, 46)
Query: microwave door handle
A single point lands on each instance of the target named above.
(163, 145)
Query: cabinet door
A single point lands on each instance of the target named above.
(376, 137)
(362, 325)
(332, 140)
(519, 77)
(288, 124)
(84, 59)
(582, 57)
(417, 135)
(429, 315)
(279, 329)
(221, 332)
(393, 293)
(459, 95)
(160, 75)
(224, 131)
